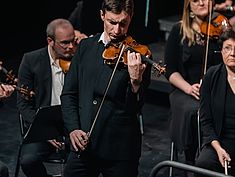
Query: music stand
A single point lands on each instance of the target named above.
(47, 125)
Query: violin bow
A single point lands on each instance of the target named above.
(207, 40)
(105, 94)
(204, 67)
(225, 167)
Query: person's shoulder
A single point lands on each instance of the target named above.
(94, 37)
(215, 68)
(35, 55)
(91, 39)
(36, 51)
(177, 25)
(176, 28)
(175, 33)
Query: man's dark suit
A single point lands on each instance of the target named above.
(35, 73)
(116, 134)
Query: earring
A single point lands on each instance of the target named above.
(191, 14)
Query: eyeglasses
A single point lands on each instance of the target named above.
(65, 44)
(197, 2)
(228, 49)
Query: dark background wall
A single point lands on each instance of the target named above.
(23, 24)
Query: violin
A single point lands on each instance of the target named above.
(64, 64)
(24, 91)
(12, 80)
(217, 25)
(112, 51)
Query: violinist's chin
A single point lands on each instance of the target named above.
(116, 39)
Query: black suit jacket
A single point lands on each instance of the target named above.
(116, 134)
(35, 73)
(213, 93)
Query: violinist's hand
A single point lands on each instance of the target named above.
(221, 152)
(55, 143)
(79, 139)
(136, 69)
(223, 156)
(79, 36)
(6, 90)
(194, 91)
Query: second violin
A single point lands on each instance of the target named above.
(216, 26)
(12, 80)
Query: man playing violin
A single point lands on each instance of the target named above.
(100, 105)
(41, 71)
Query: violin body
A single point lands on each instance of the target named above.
(218, 24)
(64, 64)
(113, 50)
(12, 80)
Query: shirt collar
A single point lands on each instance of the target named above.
(52, 61)
(103, 40)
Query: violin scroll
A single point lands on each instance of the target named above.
(10, 77)
(161, 69)
(25, 92)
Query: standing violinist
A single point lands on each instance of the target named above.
(42, 72)
(102, 123)
(185, 62)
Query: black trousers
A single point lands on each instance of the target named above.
(183, 124)
(32, 157)
(4, 172)
(87, 166)
(208, 157)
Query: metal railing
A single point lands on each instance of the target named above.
(185, 167)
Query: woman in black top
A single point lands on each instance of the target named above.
(217, 113)
(185, 55)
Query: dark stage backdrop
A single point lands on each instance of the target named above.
(23, 24)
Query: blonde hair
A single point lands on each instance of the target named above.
(186, 24)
